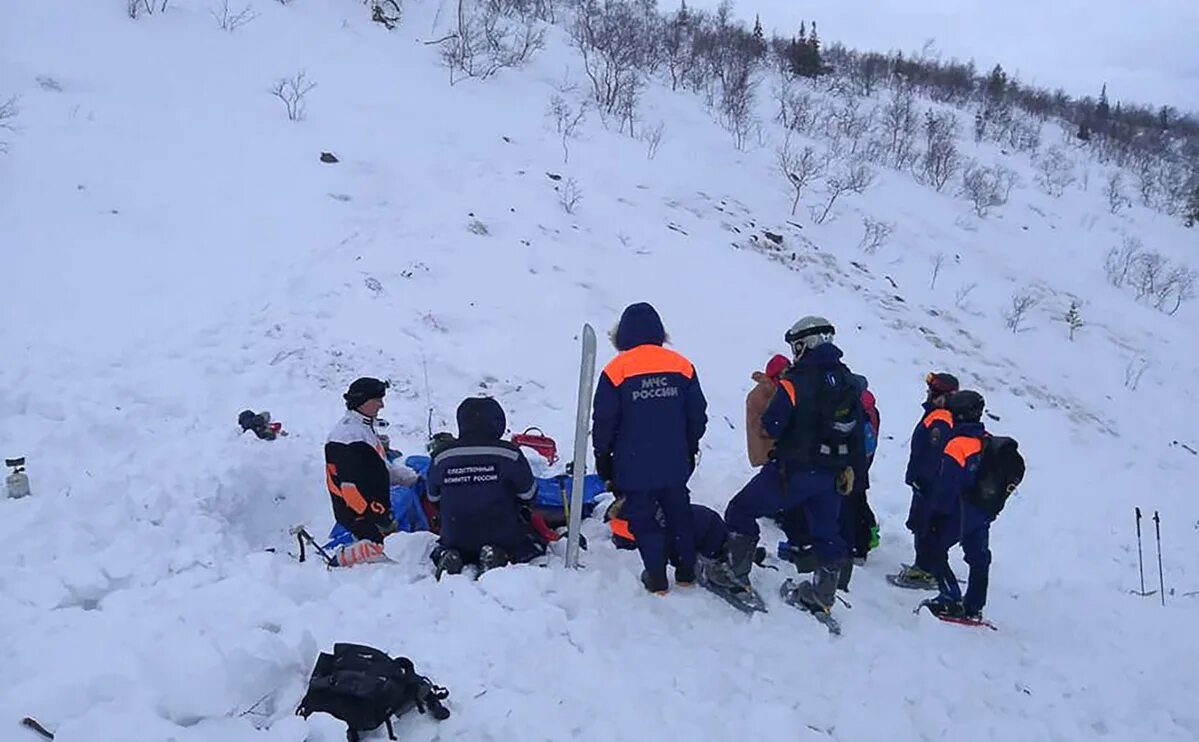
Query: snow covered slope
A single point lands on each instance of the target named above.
(173, 251)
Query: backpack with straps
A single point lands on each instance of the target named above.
(364, 688)
(823, 431)
(1000, 471)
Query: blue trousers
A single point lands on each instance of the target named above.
(918, 524)
(771, 493)
(658, 518)
(710, 532)
(946, 533)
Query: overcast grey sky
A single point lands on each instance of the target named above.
(1147, 51)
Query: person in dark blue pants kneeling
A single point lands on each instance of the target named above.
(814, 418)
(953, 519)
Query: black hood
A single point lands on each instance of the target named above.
(481, 417)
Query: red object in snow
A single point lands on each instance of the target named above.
(539, 442)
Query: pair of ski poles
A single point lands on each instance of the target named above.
(1157, 525)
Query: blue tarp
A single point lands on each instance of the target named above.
(410, 515)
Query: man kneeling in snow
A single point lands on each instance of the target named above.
(484, 487)
(359, 476)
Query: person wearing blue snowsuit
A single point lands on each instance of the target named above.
(801, 473)
(648, 417)
(951, 518)
(483, 486)
(929, 437)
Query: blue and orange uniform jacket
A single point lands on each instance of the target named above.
(649, 412)
(957, 474)
(928, 441)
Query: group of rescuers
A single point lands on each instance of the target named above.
(808, 421)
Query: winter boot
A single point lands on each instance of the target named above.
(449, 563)
(492, 557)
(846, 574)
(945, 608)
(656, 584)
(818, 594)
(739, 557)
(914, 577)
(685, 577)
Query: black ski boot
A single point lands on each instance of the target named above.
(449, 563)
(492, 557)
(945, 608)
(656, 584)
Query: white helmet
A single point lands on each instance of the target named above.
(809, 332)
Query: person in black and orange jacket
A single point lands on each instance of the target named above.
(928, 441)
(953, 519)
(648, 417)
(357, 472)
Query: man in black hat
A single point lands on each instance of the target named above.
(357, 472)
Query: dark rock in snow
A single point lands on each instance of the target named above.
(329, 157)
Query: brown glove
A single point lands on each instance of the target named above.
(845, 481)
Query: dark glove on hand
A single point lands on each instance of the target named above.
(388, 527)
(603, 467)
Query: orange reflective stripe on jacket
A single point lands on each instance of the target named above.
(789, 388)
(647, 359)
(938, 415)
(620, 527)
(962, 448)
(347, 491)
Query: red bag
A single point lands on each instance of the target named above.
(539, 442)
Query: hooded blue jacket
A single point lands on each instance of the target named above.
(928, 441)
(481, 482)
(649, 411)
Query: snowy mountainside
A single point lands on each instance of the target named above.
(175, 252)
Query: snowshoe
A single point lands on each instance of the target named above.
(449, 563)
(492, 557)
(716, 576)
(950, 612)
(911, 577)
(793, 593)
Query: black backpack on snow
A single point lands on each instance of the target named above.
(364, 687)
(1000, 471)
(824, 431)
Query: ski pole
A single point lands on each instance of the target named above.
(1140, 560)
(1161, 578)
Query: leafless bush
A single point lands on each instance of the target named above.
(938, 262)
(961, 297)
(230, 20)
(567, 119)
(609, 36)
(1133, 372)
(799, 168)
(855, 178)
(653, 139)
(801, 113)
(984, 188)
(292, 91)
(875, 234)
(1120, 261)
(569, 195)
(488, 39)
(1022, 301)
(1055, 171)
(848, 122)
(138, 8)
(737, 103)
(941, 160)
(899, 124)
(1114, 190)
(8, 117)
